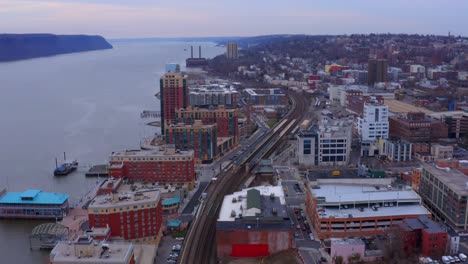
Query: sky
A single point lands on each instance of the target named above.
(212, 18)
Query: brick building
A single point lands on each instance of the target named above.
(226, 120)
(340, 208)
(423, 237)
(253, 223)
(132, 216)
(200, 138)
(417, 127)
(165, 165)
(173, 95)
(355, 101)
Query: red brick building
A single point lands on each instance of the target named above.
(165, 165)
(134, 216)
(226, 120)
(174, 95)
(417, 127)
(355, 101)
(422, 236)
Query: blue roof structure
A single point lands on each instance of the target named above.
(34, 197)
(174, 223)
(171, 201)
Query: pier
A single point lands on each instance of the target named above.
(97, 171)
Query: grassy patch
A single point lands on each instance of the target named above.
(271, 122)
(180, 233)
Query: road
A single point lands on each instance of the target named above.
(199, 245)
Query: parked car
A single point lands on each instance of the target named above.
(180, 238)
(298, 226)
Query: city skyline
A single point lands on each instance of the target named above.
(146, 19)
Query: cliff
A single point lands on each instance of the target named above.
(26, 46)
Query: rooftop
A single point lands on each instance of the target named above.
(34, 197)
(159, 152)
(122, 199)
(454, 179)
(334, 194)
(239, 202)
(422, 222)
(349, 241)
(91, 252)
(383, 211)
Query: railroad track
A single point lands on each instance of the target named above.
(200, 243)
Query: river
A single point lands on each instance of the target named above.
(85, 104)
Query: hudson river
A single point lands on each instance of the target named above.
(85, 104)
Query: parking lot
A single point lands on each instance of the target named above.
(165, 250)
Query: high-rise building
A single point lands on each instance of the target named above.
(200, 138)
(231, 50)
(373, 124)
(226, 120)
(377, 71)
(173, 95)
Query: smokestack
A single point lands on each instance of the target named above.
(191, 52)
(199, 52)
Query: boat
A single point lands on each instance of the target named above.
(67, 167)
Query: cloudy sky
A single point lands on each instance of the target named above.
(187, 18)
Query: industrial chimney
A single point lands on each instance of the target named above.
(199, 52)
(191, 52)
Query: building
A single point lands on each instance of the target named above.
(423, 237)
(359, 207)
(213, 95)
(272, 96)
(165, 165)
(377, 71)
(226, 120)
(416, 178)
(326, 144)
(457, 122)
(445, 193)
(132, 216)
(231, 50)
(355, 101)
(397, 150)
(417, 127)
(84, 250)
(34, 204)
(172, 67)
(200, 138)
(348, 249)
(253, 223)
(441, 152)
(173, 95)
(196, 62)
(373, 124)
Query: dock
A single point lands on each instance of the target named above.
(98, 171)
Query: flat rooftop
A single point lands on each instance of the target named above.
(454, 179)
(265, 191)
(397, 106)
(122, 199)
(117, 253)
(36, 197)
(349, 241)
(401, 209)
(155, 153)
(334, 194)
